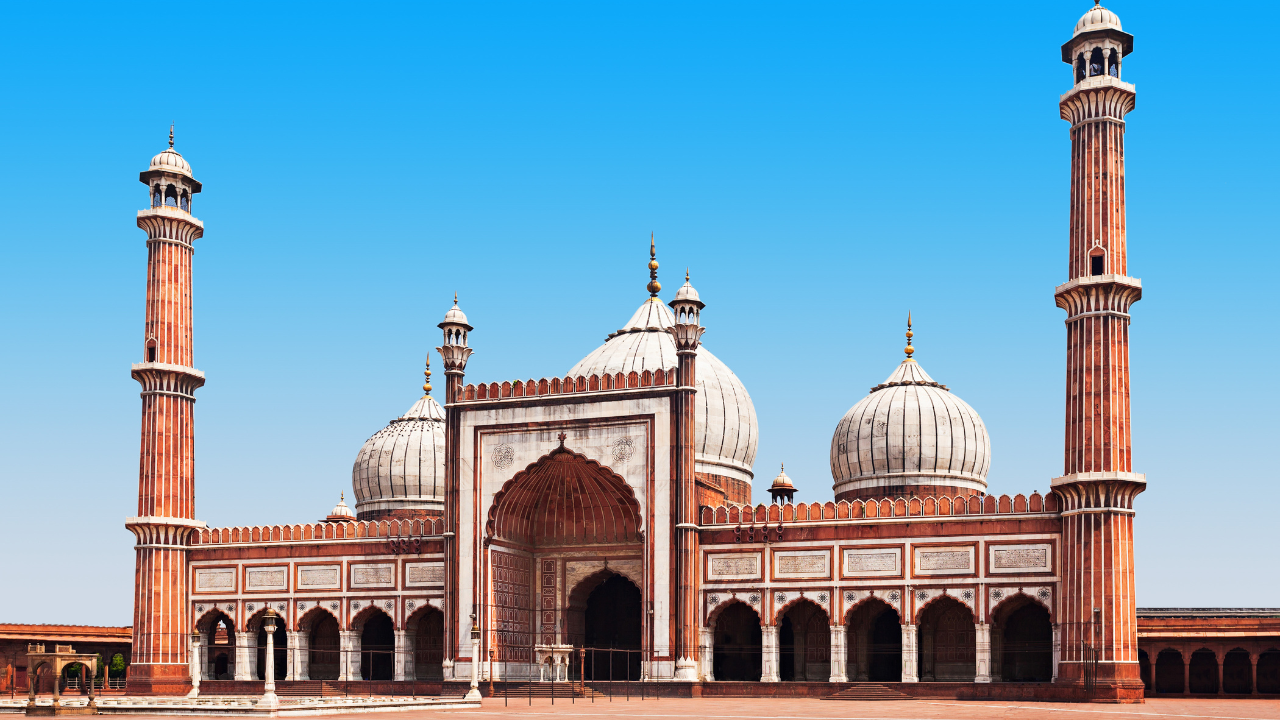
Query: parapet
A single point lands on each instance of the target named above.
(885, 508)
(568, 384)
(424, 527)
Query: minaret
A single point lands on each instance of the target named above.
(688, 335)
(782, 490)
(166, 475)
(454, 352)
(1097, 616)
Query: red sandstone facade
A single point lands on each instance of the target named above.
(609, 509)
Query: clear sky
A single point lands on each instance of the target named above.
(821, 168)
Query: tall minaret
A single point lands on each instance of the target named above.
(1097, 616)
(687, 333)
(455, 352)
(166, 473)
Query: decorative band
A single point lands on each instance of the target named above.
(1117, 121)
(171, 241)
(185, 396)
(1099, 313)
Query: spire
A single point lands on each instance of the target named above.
(654, 286)
(426, 386)
(908, 349)
(170, 136)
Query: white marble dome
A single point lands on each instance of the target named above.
(909, 431)
(1098, 18)
(171, 161)
(402, 466)
(727, 433)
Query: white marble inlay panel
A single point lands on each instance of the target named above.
(802, 563)
(1019, 558)
(734, 566)
(943, 561)
(267, 578)
(418, 574)
(215, 579)
(319, 577)
(373, 575)
(873, 562)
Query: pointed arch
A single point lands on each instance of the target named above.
(366, 613)
(565, 498)
(307, 621)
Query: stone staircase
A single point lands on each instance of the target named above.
(868, 691)
(544, 690)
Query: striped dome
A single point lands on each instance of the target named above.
(401, 468)
(909, 431)
(726, 434)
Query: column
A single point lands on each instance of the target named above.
(1220, 660)
(1186, 673)
(1253, 671)
(910, 654)
(291, 655)
(349, 642)
(197, 664)
(401, 644)
(269, 699)
(769, 654)
(706, 656)
(839, 655)
(244, 671)
(1057, 652)
(301, 655)
(410, 662)
(982, 653)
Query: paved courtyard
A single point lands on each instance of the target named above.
(811, 709)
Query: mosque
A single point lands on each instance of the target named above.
(599, 525)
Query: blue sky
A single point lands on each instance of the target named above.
(822, 168)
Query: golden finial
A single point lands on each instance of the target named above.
(686, 274)
(342, 497)
(654, 286)
(908, 349)
(426, 386)
(455, 297)
(170, 136)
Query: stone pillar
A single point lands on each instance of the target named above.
(244, 670)
(707, 654)
(269, 699)
(982, 653)
(401, 644)
(769, 654)
(1186, 673)
(290, 655)
(349, 642)
(910, 654)
(1220, 663)
(839, 655)
(1057, 652)
(301, 649)
(1253, 672)
(197, 667)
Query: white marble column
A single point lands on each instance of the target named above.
(839, 655)
(707, 639)
(1057, 651)
(301, 655)
(982, 653)
(244, 648)
(198, 666)
(410, 660)
(290, 655)
(910, 654)
(769, 654)
(401, 646)
(349, 642)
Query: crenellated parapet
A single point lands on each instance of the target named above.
(899, 507)
(359, 530)
(568, 385)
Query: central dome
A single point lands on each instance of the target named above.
(400, 470)
(726, 434)
(910, 436)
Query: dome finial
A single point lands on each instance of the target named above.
(426, 386)
(654, 286)
(170, 136)
(908, 349)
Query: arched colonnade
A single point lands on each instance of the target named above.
(317, 647)
(1215, 668)
(946, 643)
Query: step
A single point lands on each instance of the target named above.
(544, 690)
(868, 691)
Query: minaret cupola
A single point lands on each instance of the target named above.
(454, 351)
(1097, 45)
(170, 179)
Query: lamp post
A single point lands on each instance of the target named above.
(474, 692)
(269, 699)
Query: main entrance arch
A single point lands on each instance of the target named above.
(560, 518)
(738, 647)
(874, 642)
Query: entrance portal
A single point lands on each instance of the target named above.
(737, 651)
(611, 628)
(1024, 637)
(377, 648)
(804, 643)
